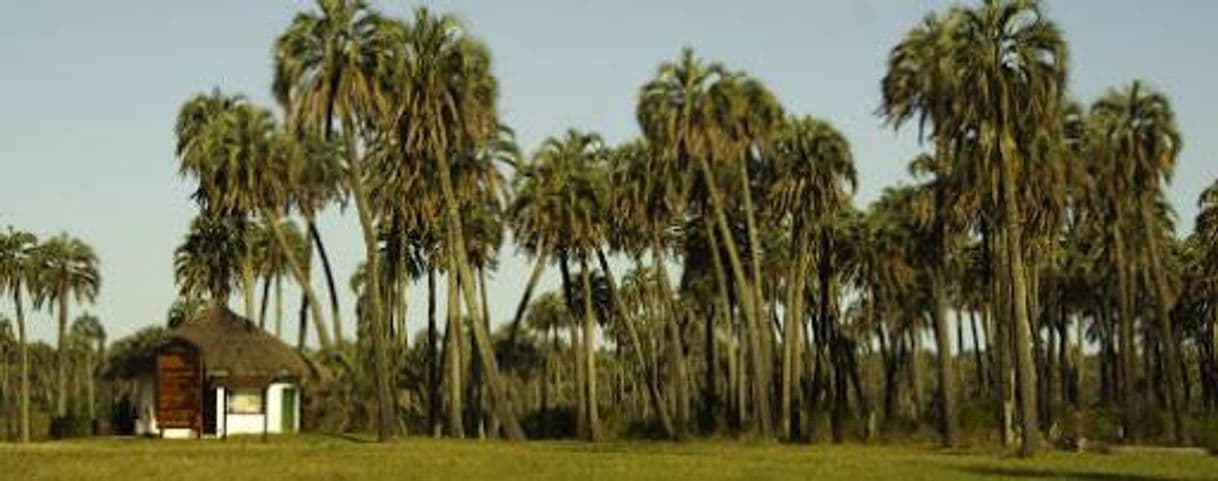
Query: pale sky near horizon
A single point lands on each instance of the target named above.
(89, 92)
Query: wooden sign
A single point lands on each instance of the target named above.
(179, 387)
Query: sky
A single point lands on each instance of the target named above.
(90, 90)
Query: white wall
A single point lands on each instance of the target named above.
(234, 423)
(253, 423)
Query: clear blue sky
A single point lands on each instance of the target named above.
(89, 92)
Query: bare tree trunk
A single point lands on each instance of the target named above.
(456, 427)
(1126, 354)
(61, 397)
(748, 301)
(1025, 365)
(433, 369)
(301, 275)
(335, 311)
(653, 388)
(946, 371)
(24, 346)
(1167, 339)
(577, 363)
(539, 266)
(713, 400)
(279, 306)
(676, 349)
(594, 428)
(502, 403)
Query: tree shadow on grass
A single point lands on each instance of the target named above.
(1035, 473)
(351, 438)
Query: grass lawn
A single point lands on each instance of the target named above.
(327, 458)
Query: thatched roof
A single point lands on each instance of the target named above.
(233, 347)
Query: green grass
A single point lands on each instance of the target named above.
(327, 458)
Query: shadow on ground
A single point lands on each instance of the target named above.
(1034, 473)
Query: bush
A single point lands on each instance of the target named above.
(554, 423)
(73, 425)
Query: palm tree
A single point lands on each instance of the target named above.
(244, 166)
(452, 115)
(90, 337)
(17, 271)
(646, 207)
(1011, 50)
(813, 177)
(564, 193)
(1139, 128)
(8, 347)
(330, 65)
(273, 263)
(66, 269)
(697, 115)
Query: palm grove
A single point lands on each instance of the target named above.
(754, 298)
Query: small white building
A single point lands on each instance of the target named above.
(220, 375)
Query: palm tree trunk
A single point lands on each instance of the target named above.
(764, 335)
(1001, 310)
(791, 335)
(456, 426)
(713, 399)
(24, 346)
(503, 404)
(1126, 354)
(1167, 339)
(335, 311)
(653, 387)
(491, 421)
(577, 363)
(947, 375)
(302, 329)
(385, 424)
(61, 398)
(266, 298)
(279, 306)
(1024, 364)
(594, 429)
(248, 281)
(748, 303)
(302, 279)
(676, 348)
(977, 362)
(539, 266)
(90, 389)
(433, 373)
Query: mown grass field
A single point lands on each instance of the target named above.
(324, 458)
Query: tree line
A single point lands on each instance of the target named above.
(49, 275)
(755, 298)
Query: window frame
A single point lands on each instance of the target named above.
(229, 395)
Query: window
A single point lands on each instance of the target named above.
(245, 401)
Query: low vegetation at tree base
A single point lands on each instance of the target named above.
(331, 458)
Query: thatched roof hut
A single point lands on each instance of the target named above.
(235, 349)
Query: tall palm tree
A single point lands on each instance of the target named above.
(813, 177)
(1010, 49)
(563, 196)
(646, 207)
(697, 116)
(330, 66)
(1139, 127)
(17, 271)
(245, 166)
(451, 115)
(67, 269)
(90, 336)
